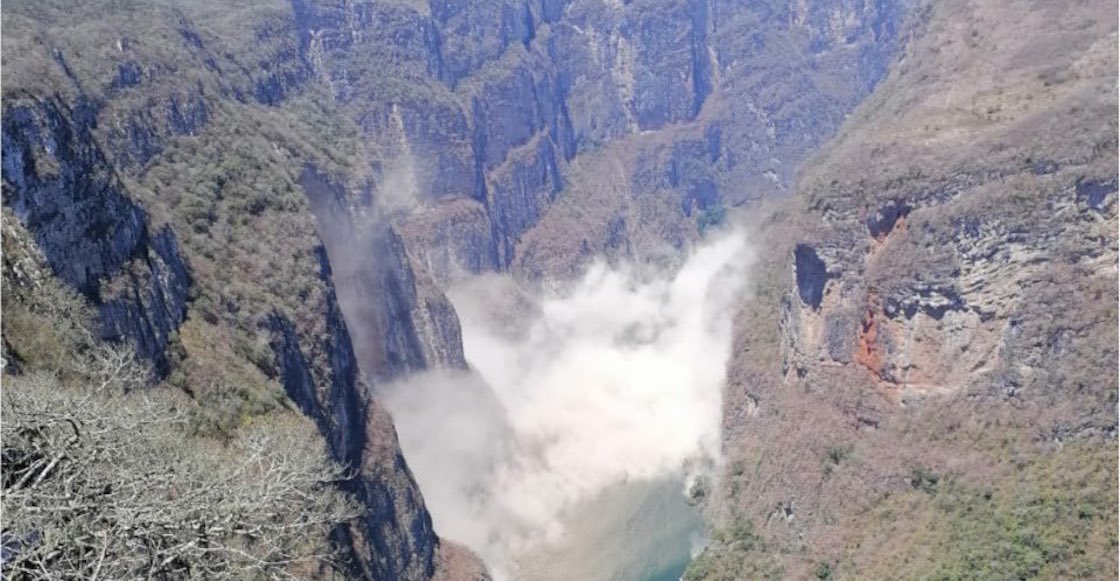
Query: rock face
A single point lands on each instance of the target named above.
(940, 263)
(400, 322)
(496, 110)
(102, 166)
(943, 315)
(812, 275)
(60, 186)
(270, 197)
(394, 539)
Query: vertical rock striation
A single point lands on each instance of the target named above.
(492, 104)
(60, 186)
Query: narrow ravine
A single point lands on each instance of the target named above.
(564, 451)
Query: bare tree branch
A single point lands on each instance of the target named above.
(107, 483)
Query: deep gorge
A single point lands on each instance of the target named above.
(820, 270)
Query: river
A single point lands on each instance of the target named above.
(639, 531)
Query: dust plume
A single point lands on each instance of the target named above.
(616, 378)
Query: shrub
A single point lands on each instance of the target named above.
(736, 552)
(924, 480)
(103, 484)
(712, 216)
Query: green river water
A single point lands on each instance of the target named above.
(643, 531)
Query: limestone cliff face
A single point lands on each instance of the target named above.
(60, 185)
(269, 197)
(497, 110)
(100, 168)
(942, 311)
(940, 293)
(400, 321)
(937, 266)
(394, 538)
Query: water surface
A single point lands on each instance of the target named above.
(640, 531)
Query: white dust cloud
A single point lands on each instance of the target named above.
(615, 379)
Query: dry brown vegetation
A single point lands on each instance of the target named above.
(985, 126)
(103, 484)
(107, 477)
(229, 190)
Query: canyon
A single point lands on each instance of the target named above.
(316, 207)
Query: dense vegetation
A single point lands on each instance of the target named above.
(1051, 520)
(1044, 516)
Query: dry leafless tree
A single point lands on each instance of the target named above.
(107, 482)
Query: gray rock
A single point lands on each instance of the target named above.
(60, 186)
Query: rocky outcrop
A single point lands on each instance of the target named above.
(79, 150)
(146, 303)
(811, 274)
(520, 192)
(60, 186)
(672, 64)
(394, 539)
(1096, 193)
(452, 240)
(936, 283)
(493, 103)
(945, 314)
(400, 321)
(144, 135)
(886, 218)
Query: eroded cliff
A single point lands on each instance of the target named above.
(267, 199)
(928, 383)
